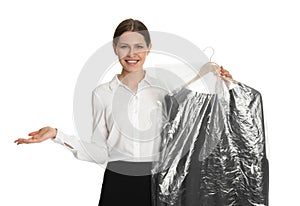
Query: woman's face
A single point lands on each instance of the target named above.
(132, 51)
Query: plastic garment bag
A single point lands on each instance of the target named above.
(213, 147)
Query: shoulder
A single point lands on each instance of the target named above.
(241, 87)
(104, 91)
(104, 87)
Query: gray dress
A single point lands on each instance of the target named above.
(212, 153)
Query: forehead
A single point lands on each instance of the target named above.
(130, 37)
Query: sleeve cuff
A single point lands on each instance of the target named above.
(59, 137)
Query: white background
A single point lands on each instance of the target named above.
(44, 45)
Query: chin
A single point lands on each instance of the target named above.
(132, 68)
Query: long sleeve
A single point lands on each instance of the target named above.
(95, 148)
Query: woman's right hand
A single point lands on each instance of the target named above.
(38, 136)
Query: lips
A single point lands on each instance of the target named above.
(131, 61)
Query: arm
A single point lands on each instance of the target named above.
(94, 150)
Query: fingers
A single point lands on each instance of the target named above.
(225, 73)
(37, 136)
(34, 133)
(27, 141)
(18, 141)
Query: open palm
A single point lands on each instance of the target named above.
(38, 136)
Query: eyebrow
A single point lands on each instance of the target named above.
(133, 44)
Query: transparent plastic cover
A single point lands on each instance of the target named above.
(212, 150)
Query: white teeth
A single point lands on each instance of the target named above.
(132, 61)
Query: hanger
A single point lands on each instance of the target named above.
(210, 67)
(213, 52)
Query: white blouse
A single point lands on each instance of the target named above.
(126, 125)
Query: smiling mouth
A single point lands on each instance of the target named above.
(131, 62)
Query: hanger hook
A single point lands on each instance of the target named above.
(212, 54)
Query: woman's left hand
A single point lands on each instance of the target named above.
(225, 73)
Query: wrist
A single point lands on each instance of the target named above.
(55, 133)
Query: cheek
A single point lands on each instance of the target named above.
(122, 54)
(143, 55)
(122, 62)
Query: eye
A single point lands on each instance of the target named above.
(123, 47)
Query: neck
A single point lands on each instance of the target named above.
(131, 79)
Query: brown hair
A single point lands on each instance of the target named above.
(134, 26)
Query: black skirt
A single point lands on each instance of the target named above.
(126, 183)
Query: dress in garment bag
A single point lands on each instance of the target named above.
(212, 156)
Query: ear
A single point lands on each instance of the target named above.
(114, 48)
(149, 48)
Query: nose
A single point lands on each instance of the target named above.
(131, 52)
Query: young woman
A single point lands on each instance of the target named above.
(131, 44)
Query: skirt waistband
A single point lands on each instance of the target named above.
(130, 168)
